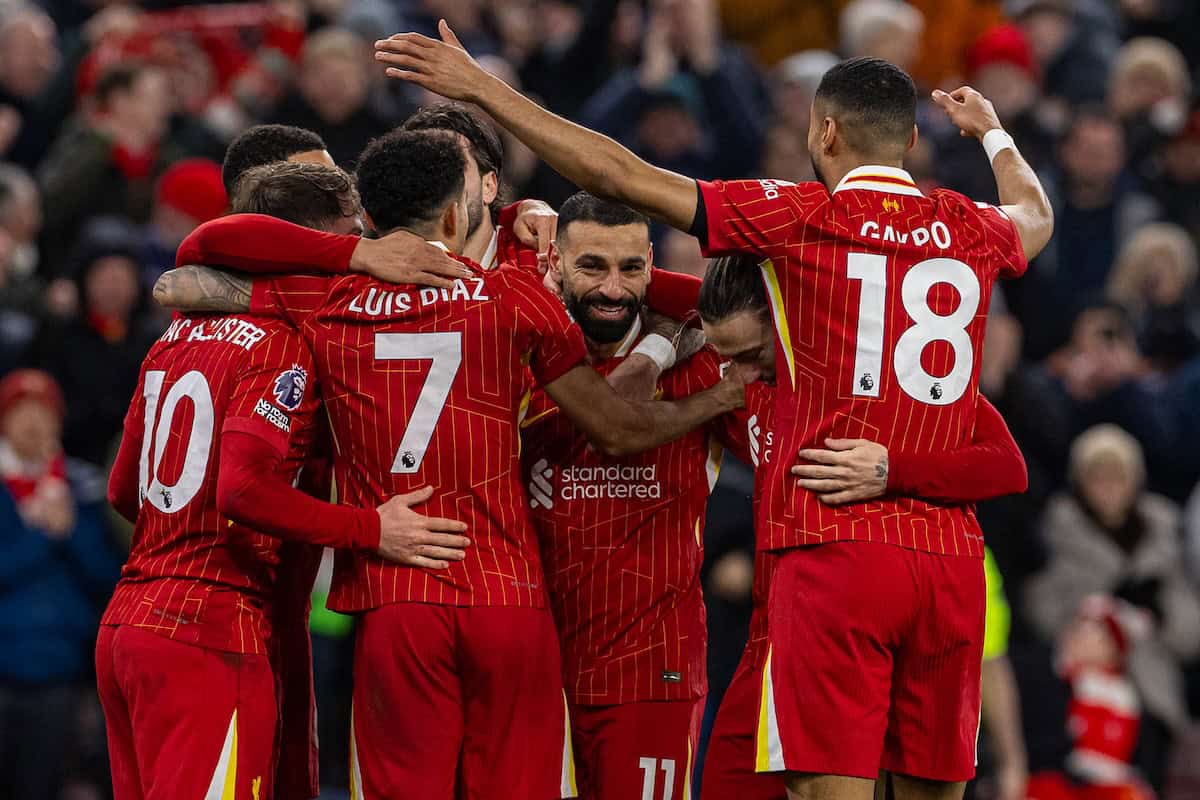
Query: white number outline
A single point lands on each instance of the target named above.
(445, 350)
(194, 386)
(928, 326)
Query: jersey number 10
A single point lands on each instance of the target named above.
(928, 326)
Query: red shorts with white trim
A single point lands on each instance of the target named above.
(874, 654)
(458, 703)
(184, 720)
(729, 761)
(636, 750)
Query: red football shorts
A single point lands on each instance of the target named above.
(458, 703)
(729, 762)
(873, 663)
(636, 750)
(184, 720)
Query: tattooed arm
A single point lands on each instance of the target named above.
(197, 288)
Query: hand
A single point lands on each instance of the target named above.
(659, 62)
(51, 509)
(404, 257)
(850, 471)
(407, 537)
(699, 31)
(969, 110)
(536, 226)
(732, 576)
(443, 67)
(731, 390)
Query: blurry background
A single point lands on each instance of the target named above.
(114, 117)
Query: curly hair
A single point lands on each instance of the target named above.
(406, 178)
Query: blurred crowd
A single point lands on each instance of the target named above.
(114, 117)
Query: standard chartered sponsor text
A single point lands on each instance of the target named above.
(615, 482)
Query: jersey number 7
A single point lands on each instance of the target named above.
(445, 349)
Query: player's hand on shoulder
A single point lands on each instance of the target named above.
(536, 226)
(408, 537)
(969, 110)
(404, 257)
(847, 471)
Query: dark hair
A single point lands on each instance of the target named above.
(584, 207)
(119, 77)
(265, 144)
(1090, 113)
(874, 100)
(312, 195)
(407, 178)
(485, 145)
(731, 285)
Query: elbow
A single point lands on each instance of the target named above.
(1020, 473)
(1044, 229)
(164, 290)
(233, 502)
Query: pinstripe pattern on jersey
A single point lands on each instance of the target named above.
(510, 326)
(807, 234)
(623, 571)
(193, 575)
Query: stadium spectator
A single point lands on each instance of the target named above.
(57, 566)
(29, 57)
(332, 94)
(1149, 91)
(95, 357)
(21, 290)
(793, 84)
(694, 105)
(189, 193)
(887, 29)
(950, 27)
(1098, 207)
(106, 160)
(1073, 56)
(1176, 182)
(1155, 280)
(774, 29)
(1108, 535)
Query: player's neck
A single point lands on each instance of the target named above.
(479, 241)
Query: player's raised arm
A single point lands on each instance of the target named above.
(1021, 195)
(620, 427)
(589, 159)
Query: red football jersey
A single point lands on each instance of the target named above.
(424, 386)
(879, 295)
(754, 443)
(622, 543)
(192, 574)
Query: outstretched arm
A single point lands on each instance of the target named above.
(197, 288)
(589, 159)
(1021, 195)
(619, 427)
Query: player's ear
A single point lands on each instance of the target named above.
(650, 262)
(491, 188)
(829, 134)
(451, 222)
(912, 140)
(554, 257)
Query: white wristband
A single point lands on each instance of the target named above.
(994, 141)
(658, 349)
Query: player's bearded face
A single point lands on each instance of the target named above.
(605, 275)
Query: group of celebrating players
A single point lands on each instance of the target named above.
(502, 422)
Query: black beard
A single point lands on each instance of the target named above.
(474, 215)
(602, 331)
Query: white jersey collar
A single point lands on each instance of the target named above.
(631, 338)
(879, 179)
(489, 256)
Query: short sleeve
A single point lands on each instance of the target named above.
(752, 215)
(274, 395)
(1006, 252)
(292, 298)
(744, 432)
(556, 343)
